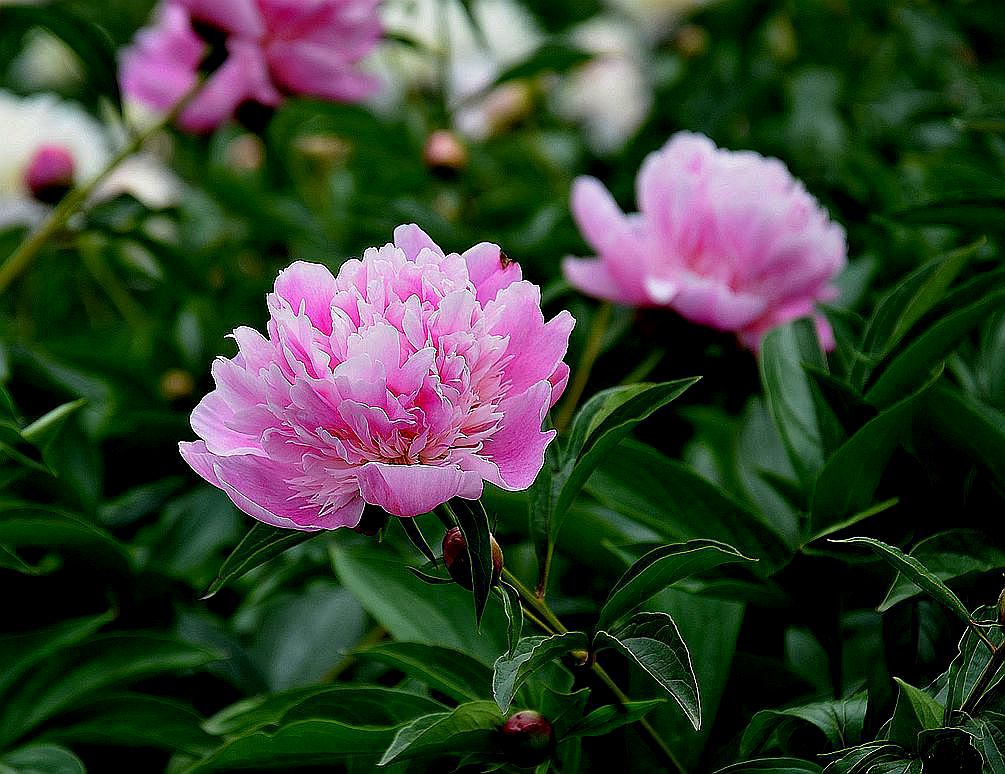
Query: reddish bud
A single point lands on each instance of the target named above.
(49, 174)
(455, 556)
(444, 154)
(528, 738)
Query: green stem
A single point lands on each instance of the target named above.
(984, 679)
(555, 626)
(591, 351)
(22, 258)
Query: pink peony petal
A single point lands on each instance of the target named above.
(310, 285)
(517, 447)
(240, 17)
(411, 490)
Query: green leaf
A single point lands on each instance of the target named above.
(990, 728)
(604, 720)
(262, 543)
(36, 526)
(876, 758)
(948, 556)
(41, 759)
(43, 431)
(915, 712)
(530, 654)
(916, 572)
(840, 721)
(971, 660)
(848, 481)
(772, 766)
(358, 705)
(135, 720)
(661, 568)
(468, 728)
(101, 662)
(973, 427)
(905, 304)
(412, 610)
(513, 611)
(971, 211)
(674, 501)
(417, 539)
(474, 525)
(303, 743)
(20, 652)
(11, 561)
(446, 670)
(797, 412)
(652, 642)
(916, 362)
(552, 57)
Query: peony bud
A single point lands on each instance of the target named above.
(444, 154)
(49, 174)
(371, 522)
(455, 556)
(528, 738)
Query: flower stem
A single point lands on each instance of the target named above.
(984, 679)
(555, 626)
(22, 258)
(591, 351)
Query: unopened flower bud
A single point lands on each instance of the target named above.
(444, 153)
(49, 174)
(528, 738)
(455, 556)
(371, 522)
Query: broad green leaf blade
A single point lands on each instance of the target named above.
(469, 728)
(11, 561)
(674, 501)
(20, 652)
(44, 430)
(412, 610)
(772, 766)
(790, 396)
(916, 362)
(135, 720)
(652, 642)
(101, 662)
(990, 729)
(563, 710)
(513, 610)
(446, 670)
(949, 556)
(530, 654)
(41, 759)
(417, 539)
(914, 712)
(905, 304)
(916, 572)
(360, 705)
(661, 568)
(841, 721)
(973, 427)
(611, 717)
(301, 744)
(474, 524)
(848, 481)
(262, 543)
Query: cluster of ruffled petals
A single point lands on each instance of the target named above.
(272, 48)
(727, 239)
(410, 378)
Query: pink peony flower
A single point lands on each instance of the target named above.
(273, 48)
(410, 378)
(727, 239)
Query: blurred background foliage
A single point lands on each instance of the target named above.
(894, 116)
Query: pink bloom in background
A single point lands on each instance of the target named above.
(727, 239)
(410, 378)
(273, 48)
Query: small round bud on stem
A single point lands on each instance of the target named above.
(455, 556)
(49, 174)
(528, 738)
(444, 154)
(371, 522)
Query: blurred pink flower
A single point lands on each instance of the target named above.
(406, 380)
(727, 239)
(273, 48)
